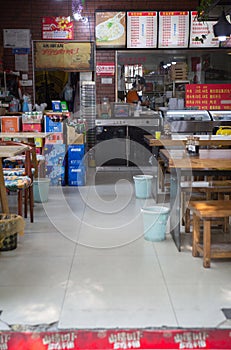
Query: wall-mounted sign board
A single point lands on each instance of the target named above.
(142, 29)
(173, 29)
(16, 38)
(57, 28)
(208, 96)
(68, 56)
(199, 29)
(110, 30)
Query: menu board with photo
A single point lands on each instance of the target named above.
(173, 29)
(142, 29)
(110, 29)
(202, 30)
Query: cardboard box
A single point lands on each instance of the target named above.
(10, 124)
(55, 138)
(76, 152)
(73, 138)
(37, 127)
(55, 155)
(76, 176)
(51, 125)
(56, 175)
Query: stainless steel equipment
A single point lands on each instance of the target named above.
(88, 109)
(120, 142)
(220, 118)
(189, 121)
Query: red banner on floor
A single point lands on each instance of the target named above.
(118, 339)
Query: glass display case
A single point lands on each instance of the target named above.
(189, 121)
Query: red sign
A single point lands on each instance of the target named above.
(105, 68)
(208, 96)
(57, 28)
(118, 339)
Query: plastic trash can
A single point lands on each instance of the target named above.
(41, 189)
(143, 186)
(155, 221)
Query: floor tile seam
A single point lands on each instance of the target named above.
(167, 289)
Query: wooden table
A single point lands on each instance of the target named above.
(180, 141)
(7, 151)
(30, 136)
(209, 162)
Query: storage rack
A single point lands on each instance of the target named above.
(88, 109)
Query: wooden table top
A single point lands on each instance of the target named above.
(180, 140)
(207, 159)
(11, 151)
(25, 134)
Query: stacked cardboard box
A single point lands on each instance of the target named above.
(76, 165)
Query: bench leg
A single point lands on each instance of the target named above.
(207, 243)
(196, 234)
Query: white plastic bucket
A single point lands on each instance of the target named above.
(41, 189)
(155, 221)
(143, 186)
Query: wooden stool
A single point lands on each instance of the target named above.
(206, 211)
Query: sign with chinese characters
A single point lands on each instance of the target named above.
(72, 56)
(110, 29)
(173, 29)
(208, 96)
(142, 29)
(105, 68)
(118, 339)
(201, 33)
(57, 28)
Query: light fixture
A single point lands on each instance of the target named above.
(77, 8)
(222, 29)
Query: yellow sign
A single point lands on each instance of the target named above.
(72, 56)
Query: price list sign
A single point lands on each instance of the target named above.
(208, 96)
(201, 33)
(142, 29)
(173, 29)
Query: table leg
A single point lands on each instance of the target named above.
(175, 195)
(3, 194)
(207, 243)
(195, 235)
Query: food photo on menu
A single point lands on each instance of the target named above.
(110, 29)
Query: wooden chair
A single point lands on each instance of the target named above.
(20, 179)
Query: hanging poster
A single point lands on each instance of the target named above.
(71, 56)
(16, 38)
(110, 30)
(201, 33)
(208, 96)
(57, 28)
(173, 29)
(142, 29)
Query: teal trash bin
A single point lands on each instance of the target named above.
(155, 220)
(41, 189)
(143, 186)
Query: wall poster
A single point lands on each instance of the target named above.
(57, 28)
(142, 29)
(110, 29)
(199, 28)
(68, 56)
(173, 29)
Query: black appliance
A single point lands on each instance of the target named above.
(120, 142)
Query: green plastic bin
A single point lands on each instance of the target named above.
(41, 189)
(143, 186)
(155, 220)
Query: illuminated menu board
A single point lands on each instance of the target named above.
(203, 31)
(173, 29)
(110, 30)
(208, 96)
(142, 29)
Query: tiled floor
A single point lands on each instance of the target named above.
(84, 263)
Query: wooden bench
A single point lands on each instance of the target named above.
(204, 189)
(206, 211)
